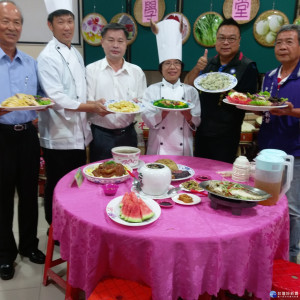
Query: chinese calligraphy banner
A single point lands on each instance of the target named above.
(146, 10)
(150, 10)
(241, 9)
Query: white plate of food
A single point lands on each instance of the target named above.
(124, 106)
(93, 173)
(172, 105)
(255, 107)
(26, 102)
(215, 82)
(190, 185)
(113, 210)
(186, 199)
(184, 171)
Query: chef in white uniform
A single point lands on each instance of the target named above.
(170, 132)
(64, 130)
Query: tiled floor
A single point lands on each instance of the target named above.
(27, 281)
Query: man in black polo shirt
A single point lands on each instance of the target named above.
(218, 135)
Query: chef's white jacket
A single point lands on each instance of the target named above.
(61, 73)
(172, 135)
(103, 82)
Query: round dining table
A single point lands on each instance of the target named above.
(188, 251)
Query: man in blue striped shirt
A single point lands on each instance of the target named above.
(19, 147)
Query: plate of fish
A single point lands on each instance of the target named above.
(234, 191)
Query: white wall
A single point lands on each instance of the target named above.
(35, 49)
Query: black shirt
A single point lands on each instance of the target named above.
(217, 117)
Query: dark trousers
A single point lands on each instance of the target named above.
(222, 148)
(58, 163)
(104, 140)
(19, 169)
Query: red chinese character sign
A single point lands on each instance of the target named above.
(91, 27)
(145, 10)
(242, 11)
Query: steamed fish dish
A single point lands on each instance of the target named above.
(233, 190)
(215, 81)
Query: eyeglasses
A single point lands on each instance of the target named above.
(230, 40)
(176, 64)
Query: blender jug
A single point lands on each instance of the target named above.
(268, 176)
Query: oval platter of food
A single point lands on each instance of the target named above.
(172, 105)
(215, 82)
(107, 172)
(234, 191)
(124, 106)
(26, 102)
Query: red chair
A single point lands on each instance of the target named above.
(286, 279)
(71, 293)
(114, 288)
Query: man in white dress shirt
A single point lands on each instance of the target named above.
(64, 130)
(112, 78)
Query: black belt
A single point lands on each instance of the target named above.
(119, 131)
(16, 127)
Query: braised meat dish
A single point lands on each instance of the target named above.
(109, 169)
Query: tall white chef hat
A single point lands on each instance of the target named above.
(53, 5)
(168, 39)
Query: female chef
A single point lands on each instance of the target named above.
(170, 132)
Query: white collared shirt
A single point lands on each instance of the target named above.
(103, 82)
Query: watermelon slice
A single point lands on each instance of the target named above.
(135, 215)
(146, 212)
(125, 210)
(125, 198)
(134, 209)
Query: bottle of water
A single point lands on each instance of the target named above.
(241, 169)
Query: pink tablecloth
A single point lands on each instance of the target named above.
(188, 251)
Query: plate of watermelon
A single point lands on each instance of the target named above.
(130, 210)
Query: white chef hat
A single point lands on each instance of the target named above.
(53, 5)
(169, 40)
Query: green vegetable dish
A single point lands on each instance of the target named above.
(205, 29)
(42, 100)
(171, 104)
